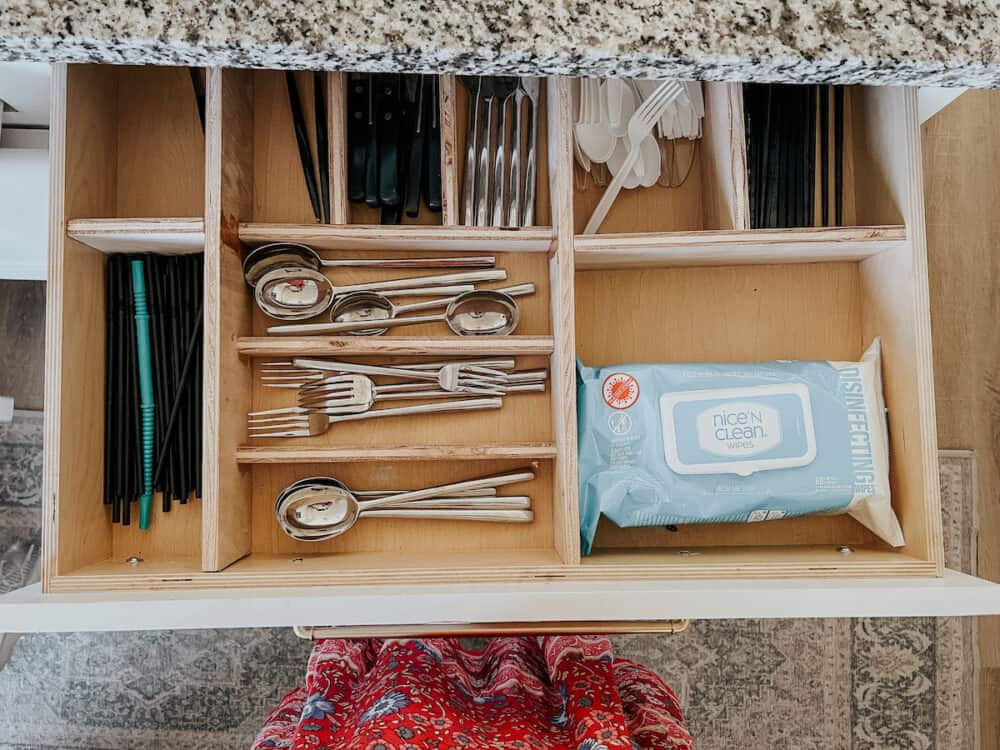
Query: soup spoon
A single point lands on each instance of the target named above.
(295, 255)
(317, 513)
(373, 307)
(300, 293)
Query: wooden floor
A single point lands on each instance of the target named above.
(961, 146)
(22, 335)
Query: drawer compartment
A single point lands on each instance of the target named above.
(688, 283)
(747, 313)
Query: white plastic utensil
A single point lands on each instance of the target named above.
(640, 126)
(592, 134)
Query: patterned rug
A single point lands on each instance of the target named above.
(776, 684)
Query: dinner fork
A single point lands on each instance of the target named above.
(317, 423)
(639, 127)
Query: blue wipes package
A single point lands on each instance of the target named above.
(734, 443)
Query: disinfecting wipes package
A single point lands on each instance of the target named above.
(734, 443)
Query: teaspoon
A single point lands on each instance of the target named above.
(376, 308)
(300, 293)
(481, 313)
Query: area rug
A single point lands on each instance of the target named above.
(776, 684)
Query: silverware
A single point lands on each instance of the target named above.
(374, 310)
(294, 255)
(353, 394)
(488, 97)
(516, 190)
(302, 371)
(447, 376)
(320, 511)
(504, 87)
(532, 89)
(472, 85)
(317, 423)
(483, 312)
(300, 293)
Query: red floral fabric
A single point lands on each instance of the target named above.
(529, 693)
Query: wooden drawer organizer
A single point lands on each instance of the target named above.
(132, 171)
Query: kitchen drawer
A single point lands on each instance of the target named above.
(650, 295)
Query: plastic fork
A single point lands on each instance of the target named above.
(639, 127)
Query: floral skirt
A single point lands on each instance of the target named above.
(522, 692)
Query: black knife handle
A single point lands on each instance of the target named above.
(388, 140)
(357, 138)
(415, 158)
(432, 169)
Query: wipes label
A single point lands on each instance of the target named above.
(738, 430)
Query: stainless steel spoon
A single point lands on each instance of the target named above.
(295, 255)
(481, 313)
(316, 514)
(375, 308)
(300, 293)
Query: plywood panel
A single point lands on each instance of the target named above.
(727, 314)
(161, 149)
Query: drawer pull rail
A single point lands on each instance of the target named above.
(558, 627)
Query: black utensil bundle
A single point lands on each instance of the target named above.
(791, 131)
(174, 294)
(318, 187)
(394, 144)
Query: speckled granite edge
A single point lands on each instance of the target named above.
(717, 68)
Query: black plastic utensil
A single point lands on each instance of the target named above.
(414, 90)
(387, 100)
(322, 144)
(198, 85)
(357, 136)
(432, 150)
(371, 150)
(838, 155)
(824, 154)
(302, 139)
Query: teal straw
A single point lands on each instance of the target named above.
(145, 388)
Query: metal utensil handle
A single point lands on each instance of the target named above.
(401, 411)
(497, 208)
(512, 502)
(356, 325)
(508, 377)
(514, 192)
(518, 290)
(410, 395)
(428, 291)
(498, 274)
(497, 480)
(506, 363)
(494, 516)
(484, 492)
(335, 366)
(483, 171)
(530, 165)
(481, 261)
(469, 178)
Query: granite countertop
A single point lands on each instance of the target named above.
(945, 42)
